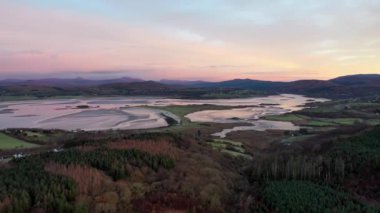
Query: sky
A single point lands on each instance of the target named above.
(279, 40)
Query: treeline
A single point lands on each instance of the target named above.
(102, 137)
(113, 162)
(303, 196)
(345, 157)
(155, 147)
(297, 167)
(28, 185)
(359, 152)
(297, 182)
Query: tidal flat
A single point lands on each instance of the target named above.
(134, 112)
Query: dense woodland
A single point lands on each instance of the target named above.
(179, 169)
(27, 185)
(297, 182)
(285, 181)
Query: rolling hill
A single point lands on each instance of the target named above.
(243, 84)
(364, 80)
(341, 87)
(70, 82)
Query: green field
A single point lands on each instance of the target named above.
(34, 134)
(327, 107)
(16, 98)
(230, 94)
(336, 121)
(28, 98)
(373, 122)
(334, 114)
(360, 105)
(346, 121)
(231, 142)
(230, 147)
(39, 136)
(297, 138)
(286, 117)
(7, 142)
(236, 154)
(320, 123)
(313, 121)
(316, 122)
(182, 111)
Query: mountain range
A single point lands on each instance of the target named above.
(62, 82)
(341, 87)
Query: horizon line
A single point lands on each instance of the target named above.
(17, 78)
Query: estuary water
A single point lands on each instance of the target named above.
(134, 113)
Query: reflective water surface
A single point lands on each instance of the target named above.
(132, 113)
(271, 105)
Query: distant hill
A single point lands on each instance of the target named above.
(61, 82)
(147, 86)
(182, 83)
(243, 84)
(341, 87)
(350, 80)
(309, 86)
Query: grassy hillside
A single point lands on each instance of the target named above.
(7, 142)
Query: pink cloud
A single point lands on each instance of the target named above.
(45, 40)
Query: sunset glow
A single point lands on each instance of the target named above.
(206, 39)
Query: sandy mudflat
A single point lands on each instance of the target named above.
(234, 115)
(49, 117)
(271, 105)
(259, 125)
(112, 113)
